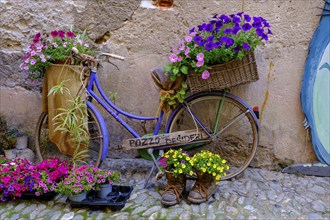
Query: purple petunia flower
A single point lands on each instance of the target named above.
(246, 27)
(240, 13)
(217, 44)
(182, 161)
(201, 27)
(236, 20)
(229, 42)
(235, 29)
(198, 38)
(247, 18)
(227, 31)
(209, 46)
(260, 32)
(210, 38)
(208, 28)
(237, 49)
(246, 46)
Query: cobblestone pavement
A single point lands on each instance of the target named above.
(256, 194)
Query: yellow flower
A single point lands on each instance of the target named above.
(218, 177)
(213, 174)
(204, 170)
(208, 164)
(191, 173)
(188, 158)
(180, 171)
(214, 166)
(224, 161)
(183, 166)
(180, 156)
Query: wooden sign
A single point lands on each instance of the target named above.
(174, 138)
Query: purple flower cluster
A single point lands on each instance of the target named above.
(223, 38)
(229, 26)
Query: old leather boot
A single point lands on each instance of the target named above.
(173, 191)
(203, 189)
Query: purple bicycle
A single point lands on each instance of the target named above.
(215, 120)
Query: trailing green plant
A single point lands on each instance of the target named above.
(72, 120)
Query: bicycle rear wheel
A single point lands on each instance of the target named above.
(46, 149)
(234, 137)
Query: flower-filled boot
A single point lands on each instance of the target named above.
(174, 189)
(203, 189)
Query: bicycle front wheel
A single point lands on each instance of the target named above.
(231, 124)
(47, 149)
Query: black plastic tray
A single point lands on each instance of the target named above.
(115, 200)
(31, 195)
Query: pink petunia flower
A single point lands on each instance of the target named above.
(173, 58)
(200, 57)
(206, 74)
(188, 39)
(200, 63)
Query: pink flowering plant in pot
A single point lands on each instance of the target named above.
(223, 38)
(105, 177)
(47, 48)
(79, 180)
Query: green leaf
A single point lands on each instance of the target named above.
(184, 69)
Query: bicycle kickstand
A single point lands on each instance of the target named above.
(155, 165)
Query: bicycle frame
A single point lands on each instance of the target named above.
(116, 112)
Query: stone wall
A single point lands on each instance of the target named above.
(145, 36)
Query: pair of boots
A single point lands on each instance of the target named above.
(202, 190)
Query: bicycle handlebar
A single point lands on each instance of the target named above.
(86, 57)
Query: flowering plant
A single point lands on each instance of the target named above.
(80, 179)
(220, 40)
(177, 161)
(48, 48)
(14, 178)
(207, 162)
(105, 177)
(47, 174)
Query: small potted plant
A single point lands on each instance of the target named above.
(8, 143)
(176, 164)
(209, 168)
(104, 181)
(79, 181)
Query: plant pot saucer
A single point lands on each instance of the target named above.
(115, 200)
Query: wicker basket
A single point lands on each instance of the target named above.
(226, 75)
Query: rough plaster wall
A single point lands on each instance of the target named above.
(145, 36)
